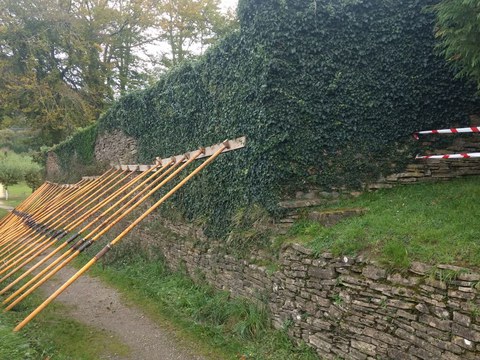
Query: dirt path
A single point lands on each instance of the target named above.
(92, 302)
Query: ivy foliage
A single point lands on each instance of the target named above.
(76, 155)
(325, 92)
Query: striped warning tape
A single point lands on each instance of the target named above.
(450, 156)
(472, 129)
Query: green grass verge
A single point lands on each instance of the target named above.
(16, 194)
(220, 327)
(54, 335)
(432, 223)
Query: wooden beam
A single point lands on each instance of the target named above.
(234, 144)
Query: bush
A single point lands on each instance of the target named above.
(17, 167)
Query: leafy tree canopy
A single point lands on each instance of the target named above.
(15, 168)
(62, 62)
(458, 28)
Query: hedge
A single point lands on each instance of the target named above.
(327, 93)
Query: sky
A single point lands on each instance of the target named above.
(227, 4)
(158, 48)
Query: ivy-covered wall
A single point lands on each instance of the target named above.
(327, 93)
(73, 157)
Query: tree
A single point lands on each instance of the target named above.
(15, 168)
(189, 26)
(63, 61)
(458, 28)
(39, 80)
(116, 33)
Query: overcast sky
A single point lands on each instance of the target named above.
(157, 48)
(227, 4)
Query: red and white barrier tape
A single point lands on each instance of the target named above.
(472, 129)
(450, 156)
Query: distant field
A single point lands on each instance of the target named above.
(16, 193)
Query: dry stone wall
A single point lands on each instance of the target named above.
(345, 307)
(52, 166)
(435, 170)
(116, 148)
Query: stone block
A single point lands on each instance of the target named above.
(423, 353)
(354, 354)
(302, 249)
(364, 347)
(463, 343)
(456, 269)
(439, 312)
(406, 281)
(462, 319)
(406, 315)
(444, 325)
(319, 324)
(436, 283)
(465, 332)
(450, 356)
(469, 277)
(400, 354)
(461, 295)
(422, 308)
(322, 273)
(374, 273)
(318, 342)
(420, 268)
(400, 304)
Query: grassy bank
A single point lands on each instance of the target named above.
(221, 327)
(54, 336)
(432, 223)
(214, 324)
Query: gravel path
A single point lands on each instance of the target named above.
(92, 302)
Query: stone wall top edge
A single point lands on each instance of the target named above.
(416, 267)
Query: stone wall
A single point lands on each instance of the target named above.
(116, 148)
(435, 170)
(112, 148)
(52, 166)
(347, 307)
(419, 171)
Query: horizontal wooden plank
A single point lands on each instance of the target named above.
(234, 144)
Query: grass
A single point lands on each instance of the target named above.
(16, 194)
(54, 335)
(218, 326)
(432, 223)
(221, 327)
